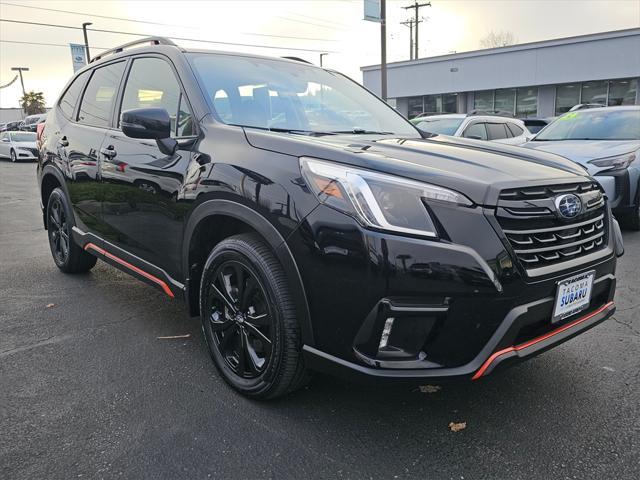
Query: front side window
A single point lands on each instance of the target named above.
(293, 97)
(151, 83)
(594, 124)
(100, 94)
(70, 97)
(477, 131)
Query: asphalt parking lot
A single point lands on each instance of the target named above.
(88, 390)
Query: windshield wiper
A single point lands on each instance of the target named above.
(361, 131)
(295, 131)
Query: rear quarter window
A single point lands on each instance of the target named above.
(516, 131)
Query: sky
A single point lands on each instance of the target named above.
(295, 27)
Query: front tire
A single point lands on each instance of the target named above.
(248, 319)
(631, 221)
(68, 256)
(14, 157)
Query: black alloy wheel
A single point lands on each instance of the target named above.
(58, 231)
(68, 256)
(249, 320)
(240, 320)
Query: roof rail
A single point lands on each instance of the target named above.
(147, 40)
(297, 59)
(497, 113)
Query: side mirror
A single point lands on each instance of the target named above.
(150, 123)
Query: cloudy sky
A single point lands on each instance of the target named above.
(294, 27)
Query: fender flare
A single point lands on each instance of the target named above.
(270, 234)
(50, 169)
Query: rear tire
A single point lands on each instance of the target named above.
(248, 319)
(68, 256)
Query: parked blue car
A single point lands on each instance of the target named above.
(606, 141)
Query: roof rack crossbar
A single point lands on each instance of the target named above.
(147, 40)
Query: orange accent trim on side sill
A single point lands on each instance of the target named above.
(528, 344)
(156, 280)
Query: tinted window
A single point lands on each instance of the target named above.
(98, 98)
(445, 126)
(516, 131)
(152, 84)
(497, 131)
(70, 97)
(594, 124)
(477, 130)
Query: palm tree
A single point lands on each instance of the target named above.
(32, 103)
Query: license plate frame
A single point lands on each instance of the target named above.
(575, 284)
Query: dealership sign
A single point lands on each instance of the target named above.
(78, 56)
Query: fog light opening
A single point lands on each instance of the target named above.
(386, 331)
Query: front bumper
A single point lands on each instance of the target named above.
(620, 186)
(459, 306)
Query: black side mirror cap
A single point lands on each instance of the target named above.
(150, 123)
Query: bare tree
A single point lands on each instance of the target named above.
(498, 39)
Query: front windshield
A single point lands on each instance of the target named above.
(594, 124)
(445, 126)
(23, 137)
(296, 97)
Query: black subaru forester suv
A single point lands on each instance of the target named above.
(311, 227)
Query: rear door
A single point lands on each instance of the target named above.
(141, 185)
(80, 137)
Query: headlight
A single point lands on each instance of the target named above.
(619, 162)
(377, 200)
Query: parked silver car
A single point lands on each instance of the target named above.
(18, 146)
(606, 141)
(501, 129)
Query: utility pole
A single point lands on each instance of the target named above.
(383, 49)
(86, 39)
(20, 70)
(409, 23)
(416, 8)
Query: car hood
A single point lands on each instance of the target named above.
(582, 151)
(475, 168)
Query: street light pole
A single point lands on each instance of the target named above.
(86, 40)
(20, 70)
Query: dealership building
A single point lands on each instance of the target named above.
(539, 79)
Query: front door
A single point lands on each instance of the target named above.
(141, 185)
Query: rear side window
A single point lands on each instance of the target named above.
(477, 130)
(100, 94)
(516, 131)
(152, 84)
(70, 97)
(497, 131)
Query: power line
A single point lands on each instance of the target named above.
(157, 23)
(66, 45)
(175, 38)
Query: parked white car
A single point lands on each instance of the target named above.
(479, 127)
(18, 146)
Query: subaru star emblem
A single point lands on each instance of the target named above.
(568, 205)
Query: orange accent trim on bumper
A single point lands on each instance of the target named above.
(528, 344)
(155, 280)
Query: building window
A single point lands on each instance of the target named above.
(594, 92)
(483, 100)
(432, 104)
(526, 102)
(622, 92)
(505, 100)
(415, 106)
(450, 103)
(566, 97)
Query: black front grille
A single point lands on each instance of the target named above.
(539, 236)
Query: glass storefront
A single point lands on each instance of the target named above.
(526, 102)
(623, 92)
(483, 100)
(594, 92)
(447, 103)
(604, 92)
(415, 106)
(505, 100)
(566, 97)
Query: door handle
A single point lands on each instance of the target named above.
(109, 151)
(63, 142)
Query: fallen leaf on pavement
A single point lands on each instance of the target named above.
(456, 427)
(51, 305)
(174, 337)
(430, 388)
